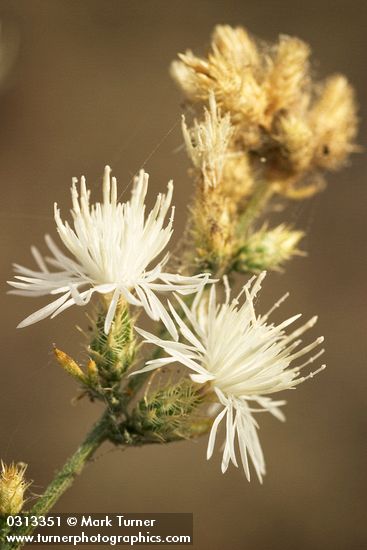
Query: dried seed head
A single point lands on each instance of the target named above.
(294, 136)
(207, 143)
(212, 229)
(286, 124)
(12, 488)
(334, 121)
(287, 80)
(237, 180)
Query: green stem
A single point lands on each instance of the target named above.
(65, 477)
(254, 207)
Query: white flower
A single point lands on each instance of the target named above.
(244, 358)
(113, 244)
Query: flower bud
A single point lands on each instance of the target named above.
(268, 249)
(170, 413)
(69, 365)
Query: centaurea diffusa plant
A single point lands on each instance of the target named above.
(264, 129)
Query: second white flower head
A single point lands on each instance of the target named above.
(244, 358)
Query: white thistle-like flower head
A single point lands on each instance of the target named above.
(115, 247)
(245, 359)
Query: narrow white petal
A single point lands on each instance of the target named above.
(43, 312)
(111, 311)
(213, 433)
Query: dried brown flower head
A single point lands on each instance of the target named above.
(288, 127)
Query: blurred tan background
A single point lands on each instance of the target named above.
(90, 86)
